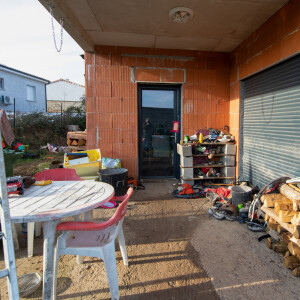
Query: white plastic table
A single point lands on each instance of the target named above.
(49, 204)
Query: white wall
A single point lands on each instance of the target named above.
(64, 91)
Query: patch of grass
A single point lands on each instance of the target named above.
(29, 167)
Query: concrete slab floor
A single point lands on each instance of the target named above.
(175, 251)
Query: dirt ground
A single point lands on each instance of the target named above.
(175, 251)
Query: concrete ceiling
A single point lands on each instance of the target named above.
(217, 25)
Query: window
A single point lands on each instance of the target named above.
(1, 83)
(31, 95)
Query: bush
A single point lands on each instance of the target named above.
(38, 129)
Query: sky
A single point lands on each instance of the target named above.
(27, 44)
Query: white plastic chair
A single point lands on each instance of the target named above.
(96, 240)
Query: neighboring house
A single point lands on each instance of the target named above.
(25, 92)
(232, 63)
(62, 94)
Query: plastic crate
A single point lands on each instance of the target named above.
(87, 169)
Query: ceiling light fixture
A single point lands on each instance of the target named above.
(181, 14)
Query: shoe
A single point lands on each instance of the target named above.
(230, 217)
(218, 215)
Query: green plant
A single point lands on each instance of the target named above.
(38, 129)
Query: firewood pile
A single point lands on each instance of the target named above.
(76, 140)
(283, 216)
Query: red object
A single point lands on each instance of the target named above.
(176, 126)
(220, 191)
(92, 226)
(205, 170)
(187, 190)
(58, 175)
(3, 145)
(14, 186)
(16, 146)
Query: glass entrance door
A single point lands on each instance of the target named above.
(158, 108)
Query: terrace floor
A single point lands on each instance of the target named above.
(175, 251)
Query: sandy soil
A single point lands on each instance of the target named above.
(171, 243)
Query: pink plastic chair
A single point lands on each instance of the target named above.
(58, 175)
(96, 240)
(55, 175)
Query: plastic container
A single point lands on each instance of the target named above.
(117, 178)
(241, 194)
(9, 157)
(87, 169)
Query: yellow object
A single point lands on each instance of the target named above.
(201, 138)
(88, 169)
(43, 182)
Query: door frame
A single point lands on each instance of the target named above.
(167, 87)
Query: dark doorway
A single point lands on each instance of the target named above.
(159, 106)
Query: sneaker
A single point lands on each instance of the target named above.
(218, 215)
(230, 217)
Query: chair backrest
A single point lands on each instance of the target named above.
(122, 208)
(58, 175)
(91, 226)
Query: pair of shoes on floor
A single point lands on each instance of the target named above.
(221, 214)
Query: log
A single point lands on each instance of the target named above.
(291, 262)
(286, 216)
(81, 142)
(292, 194)
(287, 253)
(286, 237)
(283, 205)
(269, 200)
(280, 229)
(267, 217)
(272, 224)
(289, 192)
(78, 135)
(74, 143)
(296, 219)
(280, 247)
(294, 187)
(69, 141)
(270, 242)
(296, 272)
(295, 230)
(294, 249)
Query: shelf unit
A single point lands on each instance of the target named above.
(188, 163)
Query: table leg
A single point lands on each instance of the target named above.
(49, 245)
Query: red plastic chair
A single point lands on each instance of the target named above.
(96, 240)
(55, 175)
(58, 175)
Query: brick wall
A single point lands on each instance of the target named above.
(276, 40)
(112, 74)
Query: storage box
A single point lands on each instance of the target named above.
(187, 173)
(184, 150)
(186, 161)
(86, 169)
(230, 149)
(229, 172)
(228, 160)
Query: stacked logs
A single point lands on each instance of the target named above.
(76, 140)
(283, 217)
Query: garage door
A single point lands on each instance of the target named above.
(270, 141)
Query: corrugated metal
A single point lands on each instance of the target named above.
(271, 125)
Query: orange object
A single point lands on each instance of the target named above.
(187, 189)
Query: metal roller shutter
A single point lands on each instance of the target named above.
(270, 141)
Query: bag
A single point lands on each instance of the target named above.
(110, 163)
